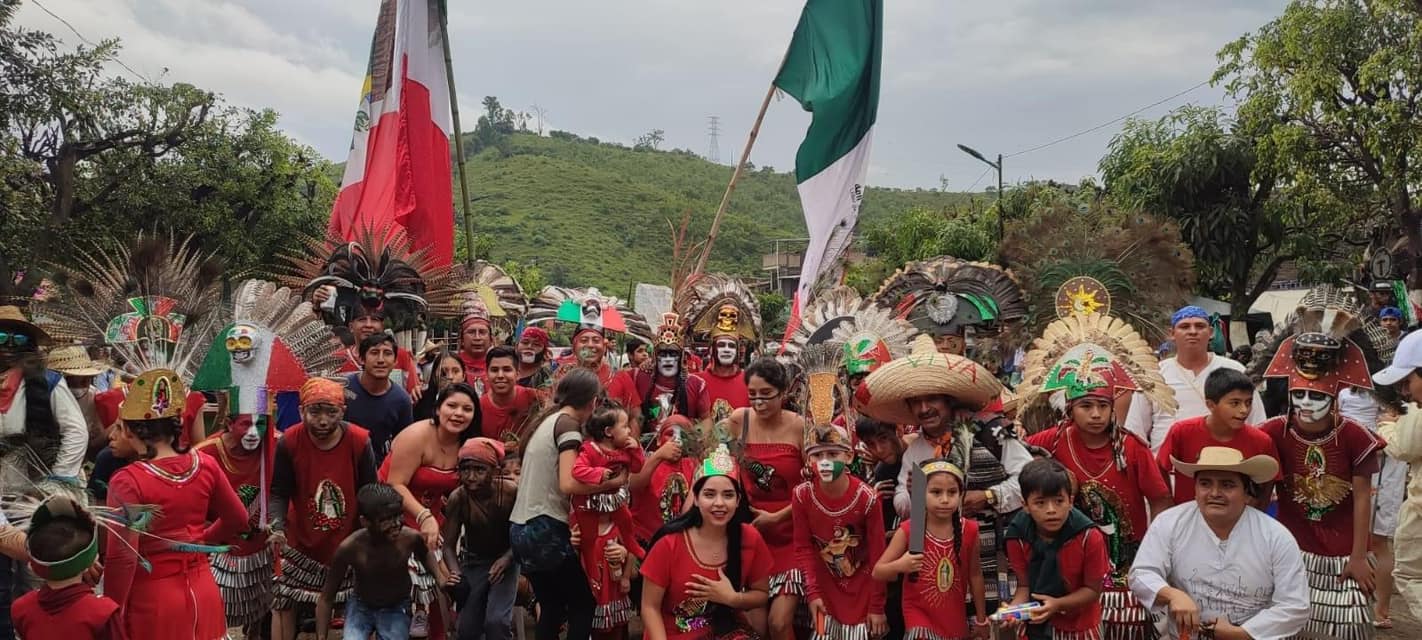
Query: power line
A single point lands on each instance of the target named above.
(86, 40)
(1107, 123)
(980, 179)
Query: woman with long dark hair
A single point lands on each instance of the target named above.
(538, 529)
(446, 369)
(707, 566)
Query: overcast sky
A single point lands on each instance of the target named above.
(1001, 76)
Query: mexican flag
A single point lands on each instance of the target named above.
(832, 69)
(398, 172)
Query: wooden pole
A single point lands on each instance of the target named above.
(467, 205)
(731, 187)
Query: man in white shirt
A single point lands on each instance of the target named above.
(1185, 373)
(1217, 567)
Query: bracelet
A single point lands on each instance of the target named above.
(423, 515)
(981, 622)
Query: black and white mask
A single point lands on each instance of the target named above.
(1310, 405)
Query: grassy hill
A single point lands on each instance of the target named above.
(590, 213)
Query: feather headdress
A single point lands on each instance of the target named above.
(1082, 352)
(1327, 343)
(715, 304)
(488, 288)
(155, 302)
(1141, 269)
(945, 295)
(380, 270)
(588, 309)
(870, 335)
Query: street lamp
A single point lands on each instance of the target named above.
(998, 166)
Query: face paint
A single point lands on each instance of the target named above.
(725, 352)
(528, 358)
(1310, 406)
(829, 470)
(249, 434)
(668, 365)
(588, 355)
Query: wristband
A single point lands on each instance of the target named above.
(423, 515)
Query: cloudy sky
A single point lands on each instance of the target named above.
(1002, 76)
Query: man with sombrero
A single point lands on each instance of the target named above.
(945, 396)
(79, 371)
(42, 429)
(1217, 567)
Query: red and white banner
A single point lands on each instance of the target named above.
(398, 172)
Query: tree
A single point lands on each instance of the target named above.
(1334, 86)
(1242, 219)
(774, 313)
(918, 234)
(650, 141)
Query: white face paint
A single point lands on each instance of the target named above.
(668, 365)
(1311, 406)
(251, 440)
(829, 470)
(528, 358)
(725, 352)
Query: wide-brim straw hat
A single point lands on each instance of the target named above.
(885, 393)
(1260, 468)
(74, 361)
(12, 318)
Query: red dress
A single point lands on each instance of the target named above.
(672, 562)
(1187, 437)
(614, 607)
(71, 613)
(935, 601)
(1316, 496)
(725, 393)
(663, 498)
(769, 472)
(177, 599)
(838, 540)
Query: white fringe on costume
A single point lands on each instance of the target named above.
(302, 580)
(422, 583)
(788, 583)
(1338, 609)
(1123, 617)
(612, 615)
(924, 633)
(246, 584)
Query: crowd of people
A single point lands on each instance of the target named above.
(303, 458)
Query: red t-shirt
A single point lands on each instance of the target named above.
(322, 507)
(663, 498)
(623, 389)
(672, 562)
(1082, 560)
(1187, 437)
(837, 544)
(725, 393)
(935, 600)
(1315, 495)
(503, 422)
(1103, 489)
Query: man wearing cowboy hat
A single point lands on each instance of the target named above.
(945, 396)
(1217, 567)
(79, 372)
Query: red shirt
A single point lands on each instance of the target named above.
(672, 562)
(322, 509)
(663, 498)
(837, 543)
(73, 613)
(1316, 496)
(502, 422)
(1082, 560)
(1187, 437)
(935, 601)
(725, 393)
(244, 473)
(624, 389)
(1103, 489)
(474, 367)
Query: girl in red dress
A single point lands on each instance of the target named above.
(172, 596)
(948, 568)
(707, 566)
(603, 518)
(423, 467)
(772, 464)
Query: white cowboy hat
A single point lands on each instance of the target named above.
(1260, 468)
(885, 393)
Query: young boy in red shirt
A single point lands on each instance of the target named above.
(1229, 395)
(1058, 556)
(62, 544)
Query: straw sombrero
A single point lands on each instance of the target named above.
(1260, 468)
(74, 361)
(12, 318)
(924, 372)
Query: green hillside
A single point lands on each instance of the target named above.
(596, 214)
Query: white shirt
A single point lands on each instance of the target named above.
(1151, 424)
(73, 436)
(1008, 492)
(1255, 578)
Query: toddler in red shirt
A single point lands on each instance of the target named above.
(63, 543)
(604, 518)
(1229, 395)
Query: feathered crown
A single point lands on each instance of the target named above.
(940, 465)
(1328, 345)
(869, 334)
(589, 310)
(1082, 354)
(487, 288)
(819, 364)
(379, 271)
(155, 302)
(717, 305)
(1133, 267)
(946, 295)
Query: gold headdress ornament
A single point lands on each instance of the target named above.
(719, 463)
(945, 295)
(669, 333)
(824, 395)
(717, 305)
(154, 395)
(155, 302)
(869, 334)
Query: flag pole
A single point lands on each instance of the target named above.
(731, 187)
(458, 136)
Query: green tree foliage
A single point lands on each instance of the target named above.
(1333, 87)
(1242, 219)
(774, 313)
(922, 232)
(650, 141)
(89, 159)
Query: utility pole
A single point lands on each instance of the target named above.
(1001, 215)
(714, 130)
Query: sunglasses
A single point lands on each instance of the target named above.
(20, 340)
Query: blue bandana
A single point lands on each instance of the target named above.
(1390, 312)
(1189, 312)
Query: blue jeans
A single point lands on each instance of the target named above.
(388, 623)
(488, 609)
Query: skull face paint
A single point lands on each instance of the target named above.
(242, 342)
(726, 350)
(668, 364)
(1309, 405)
(829, 470)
